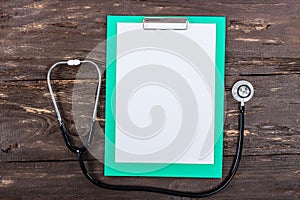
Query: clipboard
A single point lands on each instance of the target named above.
(164, 96)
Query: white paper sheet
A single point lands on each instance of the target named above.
(154, 109)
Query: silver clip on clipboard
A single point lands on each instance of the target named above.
(155, 23)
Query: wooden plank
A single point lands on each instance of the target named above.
(33, 127)
(263, 177)
(56, 31)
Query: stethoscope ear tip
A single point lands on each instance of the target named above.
(242, 91)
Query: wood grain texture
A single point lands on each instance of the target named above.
(262, 46)
(63, 180)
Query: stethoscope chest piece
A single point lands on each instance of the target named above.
(242, 91)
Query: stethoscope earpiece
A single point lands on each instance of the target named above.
(242, 91)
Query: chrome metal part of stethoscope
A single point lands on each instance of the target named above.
(242, 91)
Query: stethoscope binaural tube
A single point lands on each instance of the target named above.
(242, 91)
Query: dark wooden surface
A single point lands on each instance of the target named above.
(263, 46)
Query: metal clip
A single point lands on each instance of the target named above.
(164, 23)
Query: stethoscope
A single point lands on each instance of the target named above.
(242, 91)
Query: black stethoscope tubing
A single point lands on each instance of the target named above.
(221, 186)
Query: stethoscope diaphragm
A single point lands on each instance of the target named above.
(242, 91)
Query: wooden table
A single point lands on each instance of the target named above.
(263, 46)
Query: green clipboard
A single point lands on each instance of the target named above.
(135, 47)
